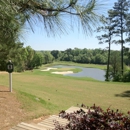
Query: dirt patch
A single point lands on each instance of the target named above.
(11, 112)
(4, 72)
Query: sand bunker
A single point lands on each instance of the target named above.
(58, 72)
(63, 72)
(49, 69)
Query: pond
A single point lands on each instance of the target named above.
(94, 73)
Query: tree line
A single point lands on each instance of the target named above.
(92, 56)
(25, 58)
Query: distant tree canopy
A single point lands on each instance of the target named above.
(86, 56)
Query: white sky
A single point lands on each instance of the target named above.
(39, 41)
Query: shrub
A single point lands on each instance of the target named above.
(126, 76)
(95, 119)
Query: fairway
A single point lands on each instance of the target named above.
(44, 93)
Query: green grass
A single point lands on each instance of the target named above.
(43, 93)
(103, 67)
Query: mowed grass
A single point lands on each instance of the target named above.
(42, 93)
(103, 67)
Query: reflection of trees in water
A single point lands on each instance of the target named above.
(124, 94)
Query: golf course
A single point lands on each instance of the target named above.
(45, 93)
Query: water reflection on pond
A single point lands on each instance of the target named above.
(94, 73)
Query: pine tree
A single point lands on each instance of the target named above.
(119, 15)
(108, 29)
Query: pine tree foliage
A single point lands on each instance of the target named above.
(53, 14)
(119, 14)
(108, 29)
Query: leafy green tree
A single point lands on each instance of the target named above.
(67, 55)
(55, 53)
(115, 69)
(76, 51)
(99, 59)
(30, 56)
(79, 58)
(20, 59)
(60, 55)
(85, 59)
(70, 54)
(127, 55)
(47, 57)
(37, 60)
(83, 55)
(97, 51)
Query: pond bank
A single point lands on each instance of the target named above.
(94, 73)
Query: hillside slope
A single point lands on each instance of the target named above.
(11, 112)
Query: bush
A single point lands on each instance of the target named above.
(126, 76)
(117, 77)
(95, 119)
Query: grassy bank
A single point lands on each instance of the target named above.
(43, 93)
(103, 67)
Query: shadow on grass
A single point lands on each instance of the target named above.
(124, 94)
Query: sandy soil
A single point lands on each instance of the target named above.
(11, 112)
(49, 69)
(63, 72)
(3, 72)
(58, 72)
